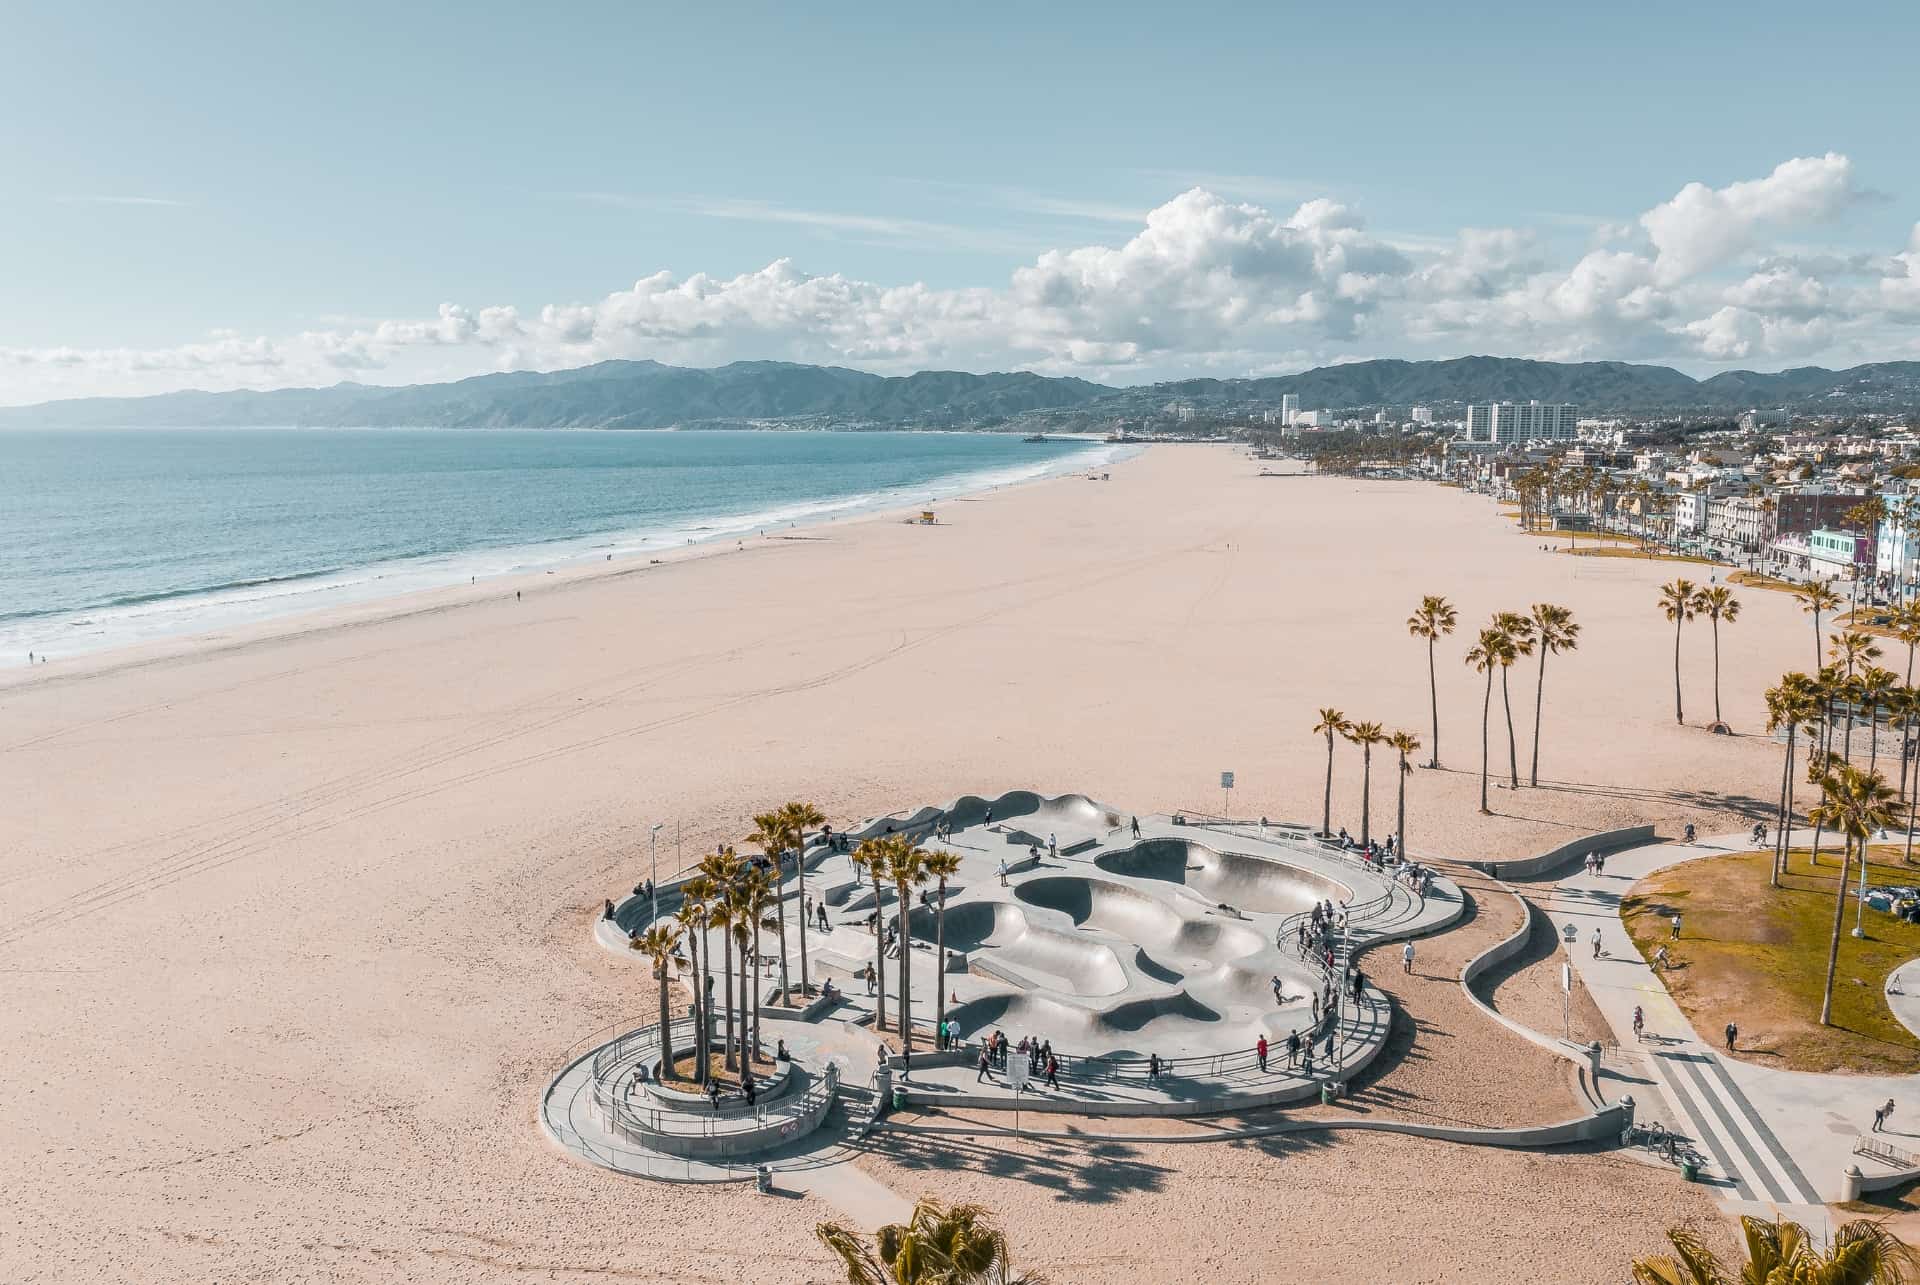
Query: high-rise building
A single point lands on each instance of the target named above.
(1522, 422)
(1289, 407)
(1423, 414)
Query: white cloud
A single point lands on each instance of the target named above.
(1203, 283)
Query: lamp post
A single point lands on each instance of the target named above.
(653, 849)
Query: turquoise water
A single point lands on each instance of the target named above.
(115, 536)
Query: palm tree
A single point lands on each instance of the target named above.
(1556, 631)
(1332, 723)
(1794, 702)
(771, 834)
(1854, 650)
(872, 855)
(1855, 803)
(1366, 736)
(1716, 604)
(1816, 598)
(801, 817)
(1862, 1252)
(937, 1245)
(1876, 690)
(1432, 620)
(1519, 629)
(695, 896)
(723, 867)
(758, 892)
(1492, 651)
(658, 943)
(1403, 744)
(903, 868)
(1676, 600)
(940, 865)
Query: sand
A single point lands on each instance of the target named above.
(296, 922)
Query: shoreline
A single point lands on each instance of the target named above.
(401, 603)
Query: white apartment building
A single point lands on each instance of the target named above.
(1690, 512)
(1289, 407)
(1423, 414)
(1522, 422)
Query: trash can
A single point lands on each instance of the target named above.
(763, 1177)
(1690, 1170)
(899, 1097)
(1326, 1095)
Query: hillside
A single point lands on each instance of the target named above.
(647, 394)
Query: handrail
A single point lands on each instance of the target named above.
(655, 1121)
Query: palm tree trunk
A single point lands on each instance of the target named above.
(666, 1026)
(1326, 804)
(1716, 670)
(879, 959)
(1400, 826)
(1433, 695)
(699, 1008)
(1513, 749)
(940, 959)
(1816, 640)
(1539, 697)
(726, 954)
(1907, 859)
(1366, 794)
(906, 960)
(800, 872)
(780, 902)
(1679, 715)
(1781, 827)
(1833, 946)
(1486, 714)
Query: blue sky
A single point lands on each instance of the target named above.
(222, 196)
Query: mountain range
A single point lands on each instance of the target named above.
(648, 394)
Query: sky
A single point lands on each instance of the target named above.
(255, 196)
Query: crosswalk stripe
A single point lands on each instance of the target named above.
(1678, 1093)
(1793, 1172)
(1690, 1066)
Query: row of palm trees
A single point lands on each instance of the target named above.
(1683, 600)
(893, 859)
(1548, 629)
(1333, 724)
(736, 899)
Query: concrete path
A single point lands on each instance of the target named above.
(1903, 994)
(1774, 1139)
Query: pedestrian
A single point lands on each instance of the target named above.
(1733, 1033)
(1881, 1115)
(713, 1094)
(1003, 872)
(1676, 925)
(747, 1088)
(1639, 1023)
(1053, 847)
(906, 1059)
(986, 1064)
(1597, 952)
(1406, 957)
(1153, 1068)
(1293, 1048)
(1053, 1072)
(1136, 827)
(1260, 1052)
(1661, 959)
(1278, 998)
(989, 818)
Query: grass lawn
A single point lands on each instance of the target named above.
(1631, 551)
(1755, 580)
(1757, 956)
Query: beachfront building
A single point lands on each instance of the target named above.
(1522, 422)
(1690, 513)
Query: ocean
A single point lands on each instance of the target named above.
(116, 536)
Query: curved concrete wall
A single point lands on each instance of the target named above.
(1499, 953)
(1250, 883)
(1531, 867)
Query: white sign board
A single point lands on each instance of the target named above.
(1226, 780)
(1017, 1072)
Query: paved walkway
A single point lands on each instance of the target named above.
(1774, 1139)
(1903, 994)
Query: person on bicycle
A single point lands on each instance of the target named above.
(1689, 832)
(1759, 833)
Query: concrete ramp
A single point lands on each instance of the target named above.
(1258, 884)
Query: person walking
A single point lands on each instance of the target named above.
(1053, 847)
(1639, 1023)
(1676, 926)
(1733, 1033)
(1881, 1115)
(1153, 1068)
(1293, 1048)
(1406, 957)
(1597, 952)
(1003, 872)
(1136, 827)
(1260, 1052)
(1053, 1072)
(985, 1064)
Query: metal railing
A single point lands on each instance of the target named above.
(781, 1116)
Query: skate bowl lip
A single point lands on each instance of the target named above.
(1297, 885)
(1238, 940)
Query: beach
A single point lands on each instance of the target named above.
(297, 921)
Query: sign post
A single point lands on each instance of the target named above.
(1226, 795)
(1017, 1076)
